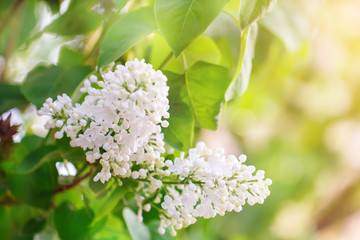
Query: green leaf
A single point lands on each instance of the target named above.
(70, 223)
(78, 19)
(54, 5)
(242, 73)
(182, 21)
(44, 82)
(201, 49)
(37, 157)
(113, 229)
(35, 188)
(125, 33)
(102, 207)
(69, 58)
(10, 97)
(138, 231)
(253, 10)
(20, 150)
(180, 132)
(32, 226)
(206, 85)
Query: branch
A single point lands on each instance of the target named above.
(73, 184)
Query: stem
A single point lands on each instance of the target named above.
(166, 60)
(73, 184)
(82, 169)
(170, 182)
(48, 135)
(184, 60)
(157, 208)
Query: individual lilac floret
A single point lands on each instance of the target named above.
(119, 122)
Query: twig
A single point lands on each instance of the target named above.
(73, 184)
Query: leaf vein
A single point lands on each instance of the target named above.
(186, 15)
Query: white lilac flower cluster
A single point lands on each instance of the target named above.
(119, 124)
(206, 183)
(118, 121)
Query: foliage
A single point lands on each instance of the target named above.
(205, 71)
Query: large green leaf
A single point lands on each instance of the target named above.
(206, 85)
(180, 132)
(138, 231)
(253, 10)
(10, 97)
(78, 19)
(102, 207)
(72, 224)
(35, 188)
(37, 157)
(241, 77)
(69, 58)
(181, 21)
(44, 82)
(125, 33)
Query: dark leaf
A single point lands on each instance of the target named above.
(72, 224)
(54, 5)
(38, 157)
(10, 97)
(34, 225)
(35, 188)
(44, 82)
(180, 132)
